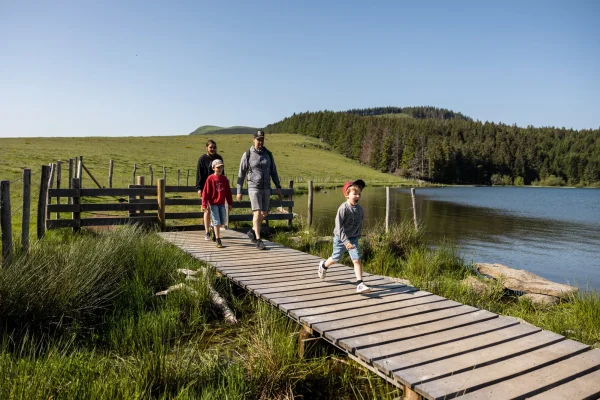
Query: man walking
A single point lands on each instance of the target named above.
(259, 166)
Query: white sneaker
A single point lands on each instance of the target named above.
(362, 288)
(322, 270)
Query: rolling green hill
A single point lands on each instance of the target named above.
(212, 129)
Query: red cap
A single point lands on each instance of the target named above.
(359, 182)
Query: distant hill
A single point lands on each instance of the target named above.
(211, 129)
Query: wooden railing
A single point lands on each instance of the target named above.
(134, 200)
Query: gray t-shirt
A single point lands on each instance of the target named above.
(348, 221)
(260, 168)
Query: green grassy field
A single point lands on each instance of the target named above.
(295, 156)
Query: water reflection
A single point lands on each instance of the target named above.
(554, 233)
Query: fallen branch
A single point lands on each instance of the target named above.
(214, 295)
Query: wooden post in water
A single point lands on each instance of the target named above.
(41, 213)
(26, 209)
(414, 206)
(76, 184)
(387, 209)
(134, 169)
(5, 221)
(160, 194)
(310, 203)
(291, 198)
(111, 165)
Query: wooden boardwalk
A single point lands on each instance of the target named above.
(433, 346)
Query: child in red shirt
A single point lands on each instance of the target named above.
(216, 191)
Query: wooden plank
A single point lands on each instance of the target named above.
(290, 287)
(417, 337)
(101, 207)
(399, 316)
(463, 355)
(380, 291)
(96, 192)
(585, 387)
(412, 322)
(73, 223)
(472, 380)
(358, 299)
(536, 382)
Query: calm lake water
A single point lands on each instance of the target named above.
(552, 232)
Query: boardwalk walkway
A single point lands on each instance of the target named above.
(437, 347)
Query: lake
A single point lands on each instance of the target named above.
(552, 232)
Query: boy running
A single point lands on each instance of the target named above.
(348, 226)
(216, 191)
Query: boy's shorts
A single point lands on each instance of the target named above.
(339, 249)
(217, 214)
(259, 199)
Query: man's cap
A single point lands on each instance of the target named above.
(259, 135)
(217, 163)
(359, 182)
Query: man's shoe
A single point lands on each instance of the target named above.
(219, 244)
(260, 245)
(213, 237)
(362, 288)
(322, 270)
(252, 235)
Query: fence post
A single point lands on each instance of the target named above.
(80, 171)
(5, 221)
(77, 201)
(290, 207)
(187, 179)
(69, 199)
(41, 213)
(140, 181)
(58, 181)
(387, 209)
(111, 164)
(134, 168)
(310, 203)
(414, 204)
(26, 209)
(50, 185)
(151, 174)
(178, 175)
(165, 174)
(160, 194)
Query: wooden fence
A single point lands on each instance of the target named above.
(136, 202)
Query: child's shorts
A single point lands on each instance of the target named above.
(217, 214)
(339, 249)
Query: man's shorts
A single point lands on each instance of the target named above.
(217, 214)
(259, 199)
(339, 249)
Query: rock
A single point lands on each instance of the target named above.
(524, 281)
(541, 300)
(478, 286)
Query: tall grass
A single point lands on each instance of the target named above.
(80, 320)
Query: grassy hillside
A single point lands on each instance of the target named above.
(211, 129)
(295, 156)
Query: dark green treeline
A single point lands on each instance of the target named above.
(442, 146)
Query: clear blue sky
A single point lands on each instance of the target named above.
(131, 68)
